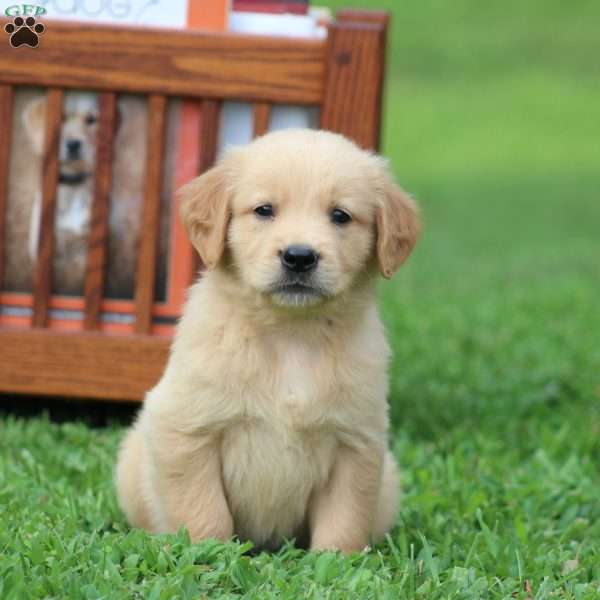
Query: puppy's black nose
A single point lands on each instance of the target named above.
(299, 259)
(73, 148)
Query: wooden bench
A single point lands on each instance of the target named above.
(342, 75)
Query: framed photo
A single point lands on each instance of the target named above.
(76, 155)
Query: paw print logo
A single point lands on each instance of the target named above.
(24, 32)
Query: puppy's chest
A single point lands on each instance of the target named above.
(293, 391)
(299, 389)
(282, 439)
(73, 210)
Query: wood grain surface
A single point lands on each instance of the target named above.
(98, 240)
(6, 103)
(353, 90)
(356, 15)
(150, 221)
(261, 118)
(183, 63)
(209, 139)
(42, 274)
(382, 19)
(83, 364)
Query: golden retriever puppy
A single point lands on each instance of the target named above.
(271, 420)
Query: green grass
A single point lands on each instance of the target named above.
(493, 122)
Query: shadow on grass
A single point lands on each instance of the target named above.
(61, 410)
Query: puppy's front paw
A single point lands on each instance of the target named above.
(219, 528)
(346, 544)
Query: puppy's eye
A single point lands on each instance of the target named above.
(340, 217)
(90, 119)
(265, 211)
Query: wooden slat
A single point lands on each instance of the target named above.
(209, 135)
(185, 63)
(353, 90)
(150, 221)
(357, 15)
(82, 364)
(262, 116)
(374, 17)
(42, 276)
(98, 240)
(209, 138)
(6, 102)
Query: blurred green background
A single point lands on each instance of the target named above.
(492, 121)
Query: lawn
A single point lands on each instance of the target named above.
(492, 122)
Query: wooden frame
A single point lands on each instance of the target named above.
(342, 74)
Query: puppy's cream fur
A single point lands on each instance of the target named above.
(270, 420)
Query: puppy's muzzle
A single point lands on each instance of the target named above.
(299, 259)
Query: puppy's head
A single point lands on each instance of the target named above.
(77, 146)
(77, 151)
(301, 216)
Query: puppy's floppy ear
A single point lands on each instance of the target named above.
(204, 210)
(398, 227)
(34, 121)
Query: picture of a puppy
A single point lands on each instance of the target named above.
(74, 193)
(76, 156)
(270, 421)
